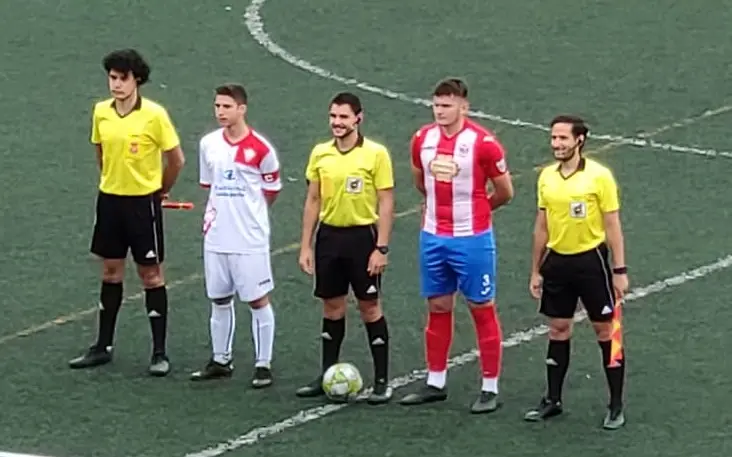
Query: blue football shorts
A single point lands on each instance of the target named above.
(466, 263)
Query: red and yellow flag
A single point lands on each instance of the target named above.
(616, 337)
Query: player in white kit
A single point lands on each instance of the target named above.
(241, 169)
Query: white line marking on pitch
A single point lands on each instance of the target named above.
(255, 26)
(256, 435)
(13, 454)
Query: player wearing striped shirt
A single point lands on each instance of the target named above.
(241, 170)
(453, 161)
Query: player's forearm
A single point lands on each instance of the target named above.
(386, 217)
(616, 243)
(170, 176)
(174, 164)
(498, 200)
(270, 197)
(309, 220)
(541, 237)
(418, 176)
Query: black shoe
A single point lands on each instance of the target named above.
(380, 394)
(487, 402)
(262, 377)
(427, 394)
(159, 365)
(213, 370)
(311, 390)
(546, 409)
(94, 357)
(614, 419)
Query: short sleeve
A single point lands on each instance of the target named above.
(608, 193)
(492, 156)
(383, 170)
(269, 167)
(540, 200)
(204, 170)
(311, 170)
(96, 137)
(167, 135)
(416, 147)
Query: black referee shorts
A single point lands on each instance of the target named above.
(129, 223)
(341, 260)
(568, 278)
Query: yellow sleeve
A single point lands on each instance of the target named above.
(609, 200)
(167, 136)
(311, 171)
(383, 170)
(96, 138)
(540, 201)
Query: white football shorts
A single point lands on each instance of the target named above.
(248, 275)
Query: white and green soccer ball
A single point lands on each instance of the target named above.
(342, 381)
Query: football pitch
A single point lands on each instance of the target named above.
(651, 78)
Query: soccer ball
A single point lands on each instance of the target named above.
(341, 381)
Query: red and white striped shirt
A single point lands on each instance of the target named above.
(457, 171)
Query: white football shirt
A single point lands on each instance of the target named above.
(236, 219)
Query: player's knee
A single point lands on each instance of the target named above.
(113, 270)
(223, 301)
(441, 304)
(603, 330)
(370, 310)
(259, 302)
(334, 308)
(151, 276)
(560, 329)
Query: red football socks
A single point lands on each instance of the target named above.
(488, 329)
(438, 338)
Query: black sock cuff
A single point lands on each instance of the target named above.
(156, 299)
(558, 350)
(378, 329)
(336, 328)
(111, 294)
(606, 348)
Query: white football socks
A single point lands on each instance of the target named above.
(437, 379)
(263, 333)
(223, 325)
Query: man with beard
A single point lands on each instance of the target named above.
(577, 228)
(132, 135)
(241, 169)
(350, 199)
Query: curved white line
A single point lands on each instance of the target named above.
(255, 26)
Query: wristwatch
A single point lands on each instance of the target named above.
(620, 270)
(383, 249)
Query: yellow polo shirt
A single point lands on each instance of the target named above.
(575, 205)
(349, 181)
(132, 146)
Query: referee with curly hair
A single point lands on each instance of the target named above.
(132, 135)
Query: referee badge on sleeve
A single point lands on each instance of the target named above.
(578, 210)
(354, 185)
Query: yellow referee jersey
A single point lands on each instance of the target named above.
(349, 181)
(132, 146)
(575, 205)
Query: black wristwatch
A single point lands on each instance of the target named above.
(620, 270)
(383, 249)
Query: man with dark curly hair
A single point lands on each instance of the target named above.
(132, 135)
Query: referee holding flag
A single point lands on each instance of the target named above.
(577, 228)
(350, 198)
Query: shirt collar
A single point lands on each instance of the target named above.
(359, 143)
